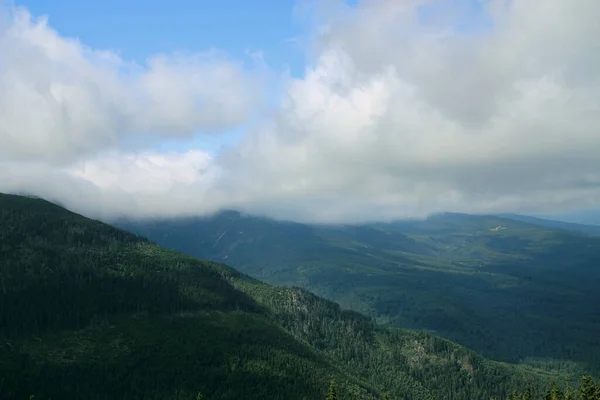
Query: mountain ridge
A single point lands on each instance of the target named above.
(568, 226)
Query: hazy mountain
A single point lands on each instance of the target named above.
(579, 217)
(549, 223)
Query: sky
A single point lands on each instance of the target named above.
(309, 110)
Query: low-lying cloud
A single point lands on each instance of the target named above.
(402, 113)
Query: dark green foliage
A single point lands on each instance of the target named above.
(588, 390)
(401, 362)
(332, 393)
(512, 291)
(226, 355)
(89, 311)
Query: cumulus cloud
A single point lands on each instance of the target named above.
(61, 101)
(406, 109)
(399, 117)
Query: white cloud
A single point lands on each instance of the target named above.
(60, 100)
(118, 184)
(399, 118)
(394, 118)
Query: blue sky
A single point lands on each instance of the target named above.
(137, 29)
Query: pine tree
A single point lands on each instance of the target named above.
(554, 393)
(588, 389)
(514, 396)
(332, 394)
(569, 394)
(528, 395)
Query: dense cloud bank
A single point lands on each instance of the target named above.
(406, 109)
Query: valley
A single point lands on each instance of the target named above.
(524, 293)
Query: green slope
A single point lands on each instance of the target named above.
(511, 290)
(89, 311)
(400, 362)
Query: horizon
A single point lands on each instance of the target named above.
(302, 110)
(569, 219)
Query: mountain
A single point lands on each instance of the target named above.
(586, 217)
(91, 311)
(593, 230)
(511, 290)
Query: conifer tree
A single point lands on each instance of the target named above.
(554, 393)
(588, 389)
(528, 395)
(332, 394)
(569, 393)
(514, 396)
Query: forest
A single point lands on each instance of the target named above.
(486, 282)
(91, 311)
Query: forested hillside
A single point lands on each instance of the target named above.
(89, 311)
(396, 360)
(587, 389)
(511, 290)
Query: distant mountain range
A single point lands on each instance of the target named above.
(590, 229)
(589, 217)
(513, 288)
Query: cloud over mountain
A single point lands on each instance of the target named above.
(406, 109)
